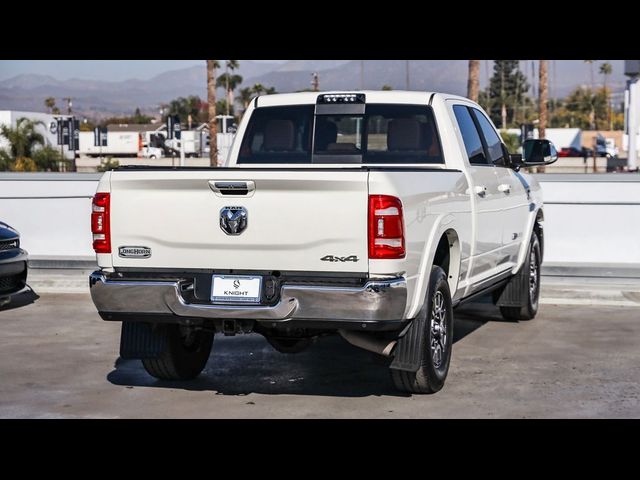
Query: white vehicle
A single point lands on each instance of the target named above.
(371, 214)
(606, 147)
(191, 140)
(119, 144)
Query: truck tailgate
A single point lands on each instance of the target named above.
(297, 220)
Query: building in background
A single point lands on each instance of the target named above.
(48, 129)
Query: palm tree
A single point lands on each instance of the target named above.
(230, 82)
(258, 89)
(543, 90)
(590, 62)
(606, 69)
(23, 137)
(473, 82)
(245, 95)
(270, 90)
(212, 65)
(231, 65)
(50, 103)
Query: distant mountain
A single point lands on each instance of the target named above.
(309, 65)
(102, 98)
(440, 75)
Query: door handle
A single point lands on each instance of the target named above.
(481, 190)
(504, 188)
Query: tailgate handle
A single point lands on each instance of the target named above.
(243, 188)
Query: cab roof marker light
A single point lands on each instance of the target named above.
(341, 98)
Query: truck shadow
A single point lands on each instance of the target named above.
(248, 364)
(22, 299)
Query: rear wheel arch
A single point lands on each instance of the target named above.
(447, 256)
(538, 228)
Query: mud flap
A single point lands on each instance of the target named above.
(408, 349)
(139, 340)
(515, 293)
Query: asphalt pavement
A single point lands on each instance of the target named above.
(58, 359)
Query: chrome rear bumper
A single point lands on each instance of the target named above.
(377, 300)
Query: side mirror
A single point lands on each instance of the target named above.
(538, 152)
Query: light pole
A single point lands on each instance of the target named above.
(407, 68)
(69, 104)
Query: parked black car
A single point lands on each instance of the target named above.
(13, 263)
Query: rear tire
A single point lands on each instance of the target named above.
(185, 354)
(436, 344)
(530, 269)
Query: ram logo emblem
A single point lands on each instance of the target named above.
(233, 220)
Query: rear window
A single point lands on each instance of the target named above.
(383, 134)
(278, 135)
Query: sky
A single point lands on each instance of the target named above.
(110, 70)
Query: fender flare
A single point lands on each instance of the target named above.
(534, 209)
(445, 222)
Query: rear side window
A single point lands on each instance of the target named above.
(278, 135)
(470, 135)
(494, 144)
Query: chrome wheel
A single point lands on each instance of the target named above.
(533, 275)
(438, 329)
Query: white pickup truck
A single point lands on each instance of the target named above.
(370, 214)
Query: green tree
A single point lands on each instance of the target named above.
(584, 109)
(50, 103)
(5, 161)
(138, 118)
(511, 141)
(505, 93)
(221, 106)
(185, 106)
(605, 70)
(229, 81)
(23, 137)
(27, 151)
(244, 96)
(49, 159)
(258, 89)
(108, 164)
(386, 87)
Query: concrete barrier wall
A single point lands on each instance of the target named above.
(591, 221)
(51, 211)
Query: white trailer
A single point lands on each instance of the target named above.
(191, 140)
(565, 137)
(120, 144)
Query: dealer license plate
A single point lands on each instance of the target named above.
(236, 289)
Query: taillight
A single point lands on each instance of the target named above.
(386, 227)
(100, 223)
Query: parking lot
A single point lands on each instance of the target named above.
(58, 359)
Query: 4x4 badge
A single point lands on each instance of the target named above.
(333, 258)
